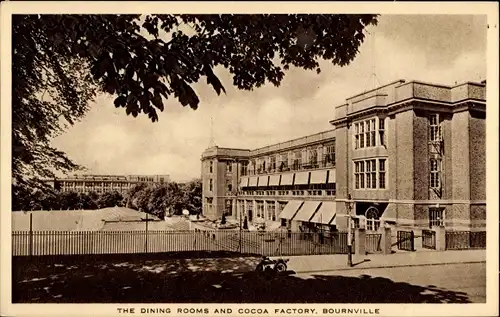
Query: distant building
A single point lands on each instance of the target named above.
(411, 154)
(104, 183)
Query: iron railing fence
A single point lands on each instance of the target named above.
(41, 243)
(463, 240)
(428, 239)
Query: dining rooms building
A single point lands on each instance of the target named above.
(99, 183)
(406, 154)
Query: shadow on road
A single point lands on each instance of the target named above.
(227, 280)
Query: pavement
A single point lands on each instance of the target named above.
(338, 262)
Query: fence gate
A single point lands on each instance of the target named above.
(406, 240)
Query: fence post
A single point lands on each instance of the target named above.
(412, 241)
(360, 237)
(146, 242)
(31, 236)
(386, 241)
(440, 238)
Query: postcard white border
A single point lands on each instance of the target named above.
(487, 8)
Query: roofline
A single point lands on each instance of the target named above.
(226, 148)
(375, 89)
(291, 140)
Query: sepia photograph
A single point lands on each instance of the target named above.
(214, 161)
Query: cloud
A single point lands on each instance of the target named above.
(439, 49)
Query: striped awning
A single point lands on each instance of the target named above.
(290, 209)
(331, 176)
(252, 182)
(274, 180)
(318, 177)
(244, 182)
(263, 181)
(326, 213)
(286, 179)
(306, 211)
(301, 178)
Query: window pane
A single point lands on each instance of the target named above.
(382, 165)
(382, 180)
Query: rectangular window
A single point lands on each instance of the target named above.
(271, 211)
(211, 167)
(260, 209)
(362, 135)
(329, 154)
(297, 160)
(368, 133)
(211, 185)
(362, 176)
(356, 135)
(273, 163)
(229, 167)
(313, 157)
(435, 173)
(381, 131)
(434, 128)
(372, 132)
(436, 217)
(381, 173)
(244, 168)
(283, 161)
(356, 174)
(368, 174)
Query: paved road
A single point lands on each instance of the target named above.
(468, 278)
(232, 280)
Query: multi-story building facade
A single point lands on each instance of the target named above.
(104, 183)
(407, 153)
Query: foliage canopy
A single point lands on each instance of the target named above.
(60, 63)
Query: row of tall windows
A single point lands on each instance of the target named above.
(309, 157)
(370, 175)
(365, 133)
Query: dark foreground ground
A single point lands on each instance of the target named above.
(227, 278)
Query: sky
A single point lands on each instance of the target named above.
(444, 49)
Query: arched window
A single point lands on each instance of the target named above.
(372, 219)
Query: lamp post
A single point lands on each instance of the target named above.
(348, 205)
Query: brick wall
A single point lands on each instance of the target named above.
(421, 159)
(460, 156)
(477, 134)
(404, 155)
